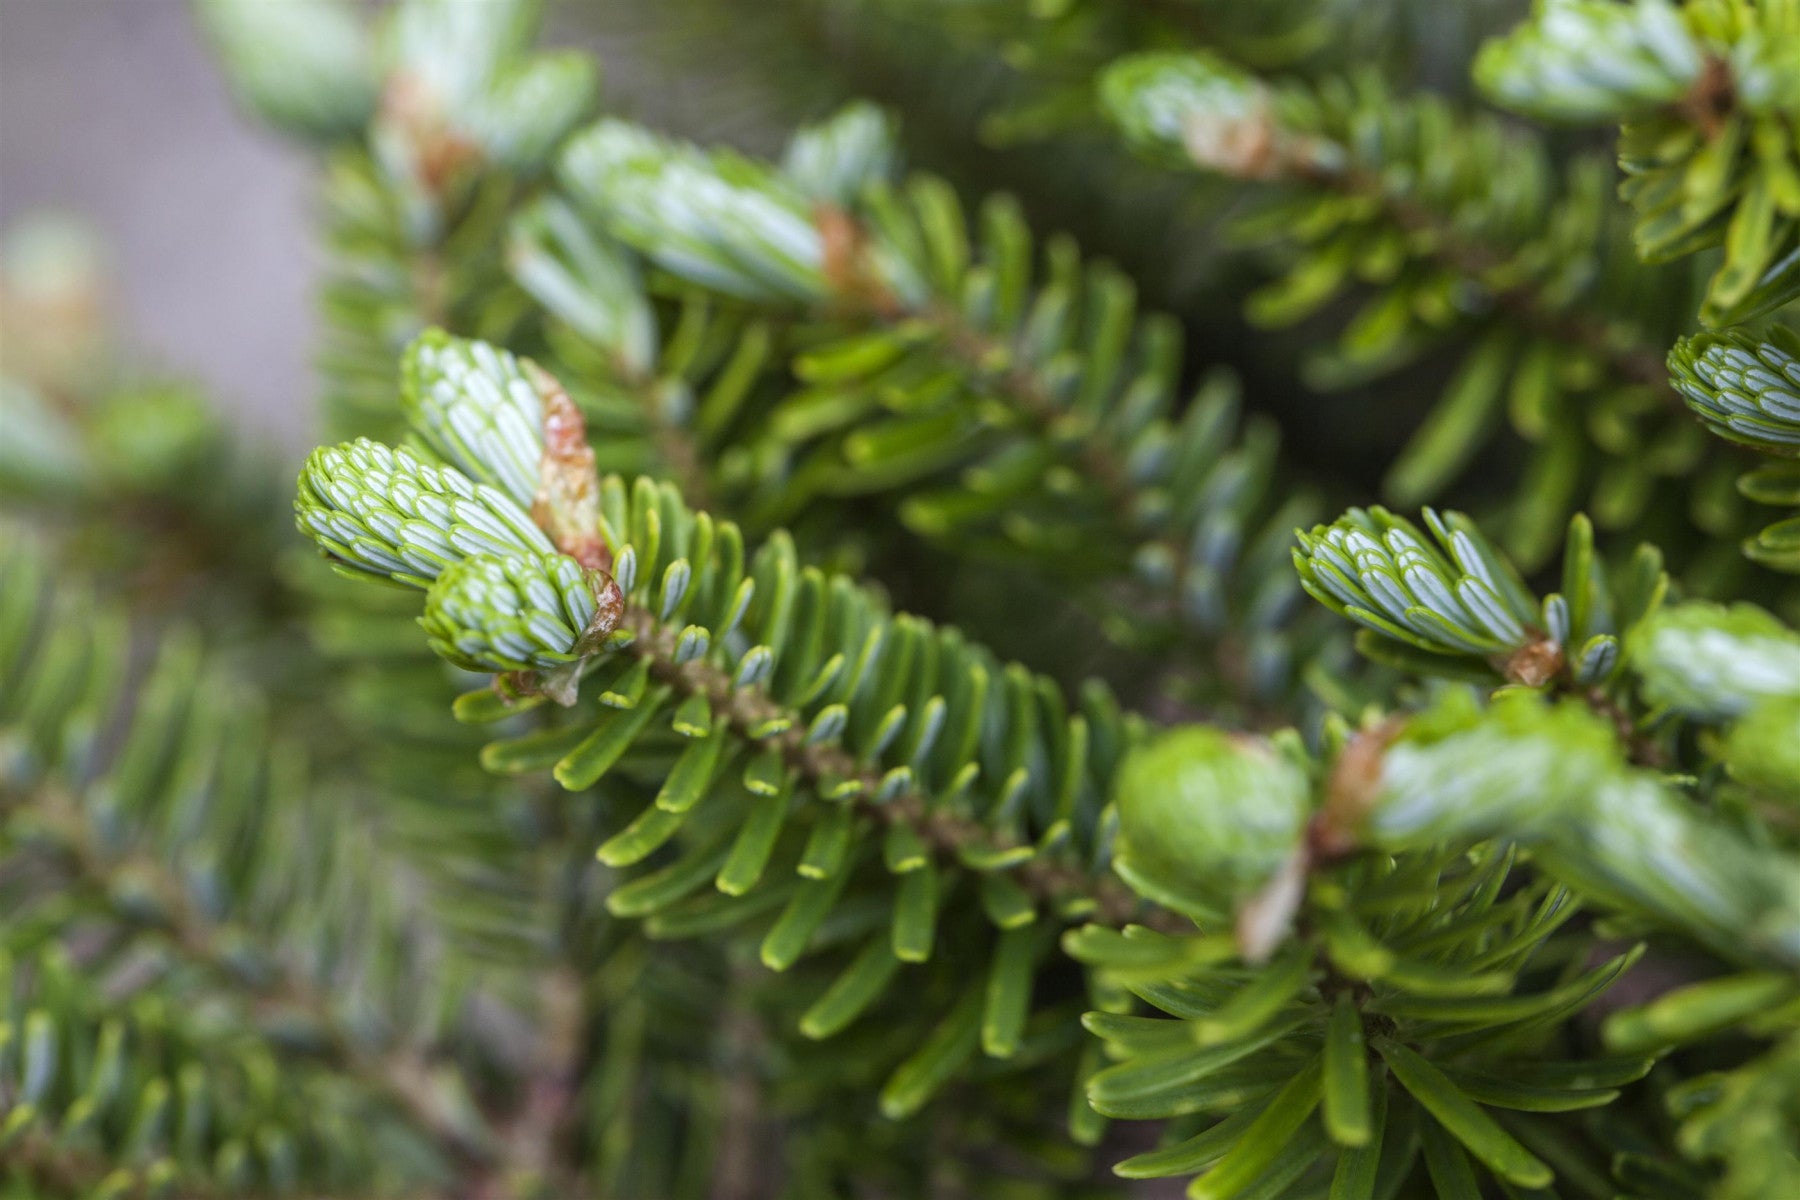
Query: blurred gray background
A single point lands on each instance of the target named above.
(111, 111)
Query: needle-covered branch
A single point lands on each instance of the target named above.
(810, 717)
(1461, 230)
(857, 878)
(1038, 419)
(108, 775)
(1710, 138)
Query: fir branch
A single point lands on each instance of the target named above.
(1082, 385)
(403, 1074)
(1364, 943)
(534, 614)
(655, 658)
(1057, 886)
(1709, 118)
(69, 797)
(1222, 118)
(35, 1160)
(1552, 772)
(1744, 388)
(1626, 354)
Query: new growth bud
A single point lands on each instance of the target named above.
(1206, 112)
(712, 218)
(1762, 750)
(477, 407)
(1214, 823)
(384, 512)
(1592, 60)
(834, 160)
(1459, 596)
(525, 613)
(1462, 772)
(1744, 388)
(1714, 662)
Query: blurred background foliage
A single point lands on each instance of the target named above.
(280, 925)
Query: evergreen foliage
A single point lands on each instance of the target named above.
(637, 795)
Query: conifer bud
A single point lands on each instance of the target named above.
(1744, 388)
(714, 219)
(1713, 662)
(1762, 750)
(1210, 819)
(528, 109)
(1458, 597)
(461, 92)
(1460, 771)
(383, 511)
(834, 160)
(478, 408)
(526, 613)
(1592, 60)
(1203, 111)
(585, 279)
(308, 69)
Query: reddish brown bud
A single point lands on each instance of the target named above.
(1350, 791)
(1535, 663)
(846, 265)
(567, 506)
(439, 154)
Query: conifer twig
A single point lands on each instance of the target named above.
(1056, 885)
(402, 1076)
(1638, 361)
